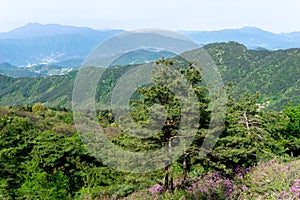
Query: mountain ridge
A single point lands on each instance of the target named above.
(45, 30)
(33, 43)
(274, 74)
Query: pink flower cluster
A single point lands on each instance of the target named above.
(295, 189)
(155, 189)
(212, 186)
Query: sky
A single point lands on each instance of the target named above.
(271, 15)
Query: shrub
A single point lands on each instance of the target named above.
(212, 186)
(274, 179)
(38, 107)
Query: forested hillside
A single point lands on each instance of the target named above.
(42, 155)
(274, 74)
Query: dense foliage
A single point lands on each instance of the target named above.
(42, 156)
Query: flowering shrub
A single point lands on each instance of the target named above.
(241, 172)
(295, 189)
(212, 186)
(274, 179)
(156, 189)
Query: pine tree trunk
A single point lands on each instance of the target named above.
(166, 185)
(168, 177)
(184, 166)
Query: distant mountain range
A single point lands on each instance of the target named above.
(67, 46)
(252, 37)
(35, 44)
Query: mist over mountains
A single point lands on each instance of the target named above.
(251, 37)
(57, 45)
(47, 44)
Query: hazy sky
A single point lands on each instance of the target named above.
(272, 15)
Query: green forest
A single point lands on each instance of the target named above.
(42, 155)
(274, 74)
